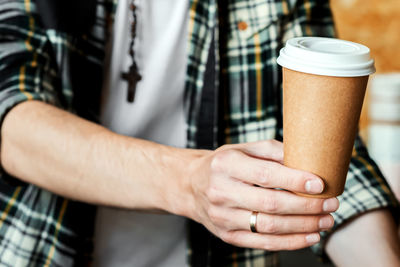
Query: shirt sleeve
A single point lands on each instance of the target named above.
(27, 69)
(365, 189)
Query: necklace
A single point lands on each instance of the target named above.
(132, 76)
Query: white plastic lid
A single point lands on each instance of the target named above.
(326, 56)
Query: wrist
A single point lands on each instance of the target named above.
(182, 164)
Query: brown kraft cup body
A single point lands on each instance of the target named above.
(320, 121)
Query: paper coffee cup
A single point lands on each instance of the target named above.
(324, 82)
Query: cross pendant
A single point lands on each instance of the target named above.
(132, 77)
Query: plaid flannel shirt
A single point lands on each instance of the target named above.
(62, 67)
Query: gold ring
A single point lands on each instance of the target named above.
(253, 221)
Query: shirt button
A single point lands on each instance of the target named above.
(242, 26)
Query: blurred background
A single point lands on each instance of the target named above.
(376, 24)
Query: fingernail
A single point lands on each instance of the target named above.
(331, 205)
(314, 186)
(326, 222)
(313, 238)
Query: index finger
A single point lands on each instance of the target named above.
(271, 174)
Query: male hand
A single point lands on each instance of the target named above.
(219, 189)
(231, 182)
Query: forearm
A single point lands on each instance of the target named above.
(81, 160)
(369, 240)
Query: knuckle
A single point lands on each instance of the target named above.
(268, 225)
(224, 147)
(290, 243)
(287, 183)
(304, 225)
(217, 162)
(228, 236)
(263, 176)
(279, 147)
(213, 214)
(221, 159)
(314, 205)
(217, 217)
(270, 204)
(214, 195)
(309, 205)
(267, 175)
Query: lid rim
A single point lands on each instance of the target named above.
(329, 72)
(297, 57)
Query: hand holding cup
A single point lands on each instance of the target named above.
(233, 182)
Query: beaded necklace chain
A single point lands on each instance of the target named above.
(132, 76)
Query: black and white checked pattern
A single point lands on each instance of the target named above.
(38, 228)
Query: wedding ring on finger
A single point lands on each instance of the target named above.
(253, 221)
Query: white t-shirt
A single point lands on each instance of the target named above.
(130, 238)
